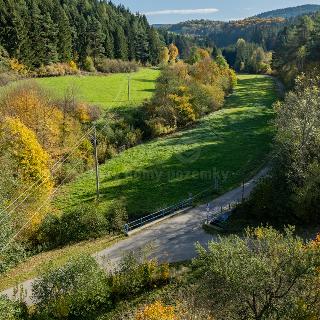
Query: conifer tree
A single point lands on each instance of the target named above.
(120, 44)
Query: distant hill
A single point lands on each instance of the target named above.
(290, 12)
(262, 29)
(223, 34)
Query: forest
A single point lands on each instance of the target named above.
(43, 32)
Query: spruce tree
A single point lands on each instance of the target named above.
(120, 44)
(49, 32)
(64, 36)
(96, 39)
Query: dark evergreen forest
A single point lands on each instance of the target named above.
(40, 32)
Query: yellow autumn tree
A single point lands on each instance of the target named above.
(29, 165)
(203, 53)
(164, 56)
(57, 131)
(173, 53)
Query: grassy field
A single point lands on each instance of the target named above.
(232, 143)
(109, 91)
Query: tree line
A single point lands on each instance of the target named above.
(298, 48)
(40, 32)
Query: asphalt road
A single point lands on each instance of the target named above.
(172, 240)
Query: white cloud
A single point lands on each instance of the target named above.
(182, 11)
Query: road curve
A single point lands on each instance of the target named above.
(172, 240)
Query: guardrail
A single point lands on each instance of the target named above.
(157, 215)
(219, 211)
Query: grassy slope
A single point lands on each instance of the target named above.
(29, 269)
(234, 141)
(108, 91)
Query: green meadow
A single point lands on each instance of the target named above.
(107, 91)
(230, 144)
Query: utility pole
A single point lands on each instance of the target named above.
(243, 191)
(95, 143)
(129, 87)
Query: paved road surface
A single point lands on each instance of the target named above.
(172, 239)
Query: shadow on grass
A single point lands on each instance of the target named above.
(229, 146)
(230, 158)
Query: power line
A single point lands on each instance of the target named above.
(60, 162)
(37, 211)
(53, 168)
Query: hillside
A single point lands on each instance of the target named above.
(223, 34)
(229, 144)
(262, 29)
(290, 12)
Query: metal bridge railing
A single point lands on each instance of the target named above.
(157, 215)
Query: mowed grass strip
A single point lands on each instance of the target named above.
(29, 269)
(107, 91)
(232, 143)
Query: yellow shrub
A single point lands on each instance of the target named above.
(73, 65)
(156, 311)
(165, 272)
(16, 66)
(83, 113)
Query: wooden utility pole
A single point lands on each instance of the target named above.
(243, 191)
(129, 87)
(96, 162)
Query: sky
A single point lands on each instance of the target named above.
(173, 11)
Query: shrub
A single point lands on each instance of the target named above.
(89, 65)
(57, 69)
(18, 67)
(117, 216)
(7, 77)
(85, 222)
(117, 66)
(12, 310)
(156, 311)
(137, 274)
(185, 93)
(78, 290)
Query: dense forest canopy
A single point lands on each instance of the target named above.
(40, 32)
(297, 48)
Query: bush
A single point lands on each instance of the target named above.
(57, 69)
(117, 216)
(137, 274)
(12, 310)
(78, 290)
(117, 66)
(156, 311)
(18, 67)
(7, 77)
(85, 222)
(89, 65)
(4, 60)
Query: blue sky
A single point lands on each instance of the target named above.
(172, 11)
